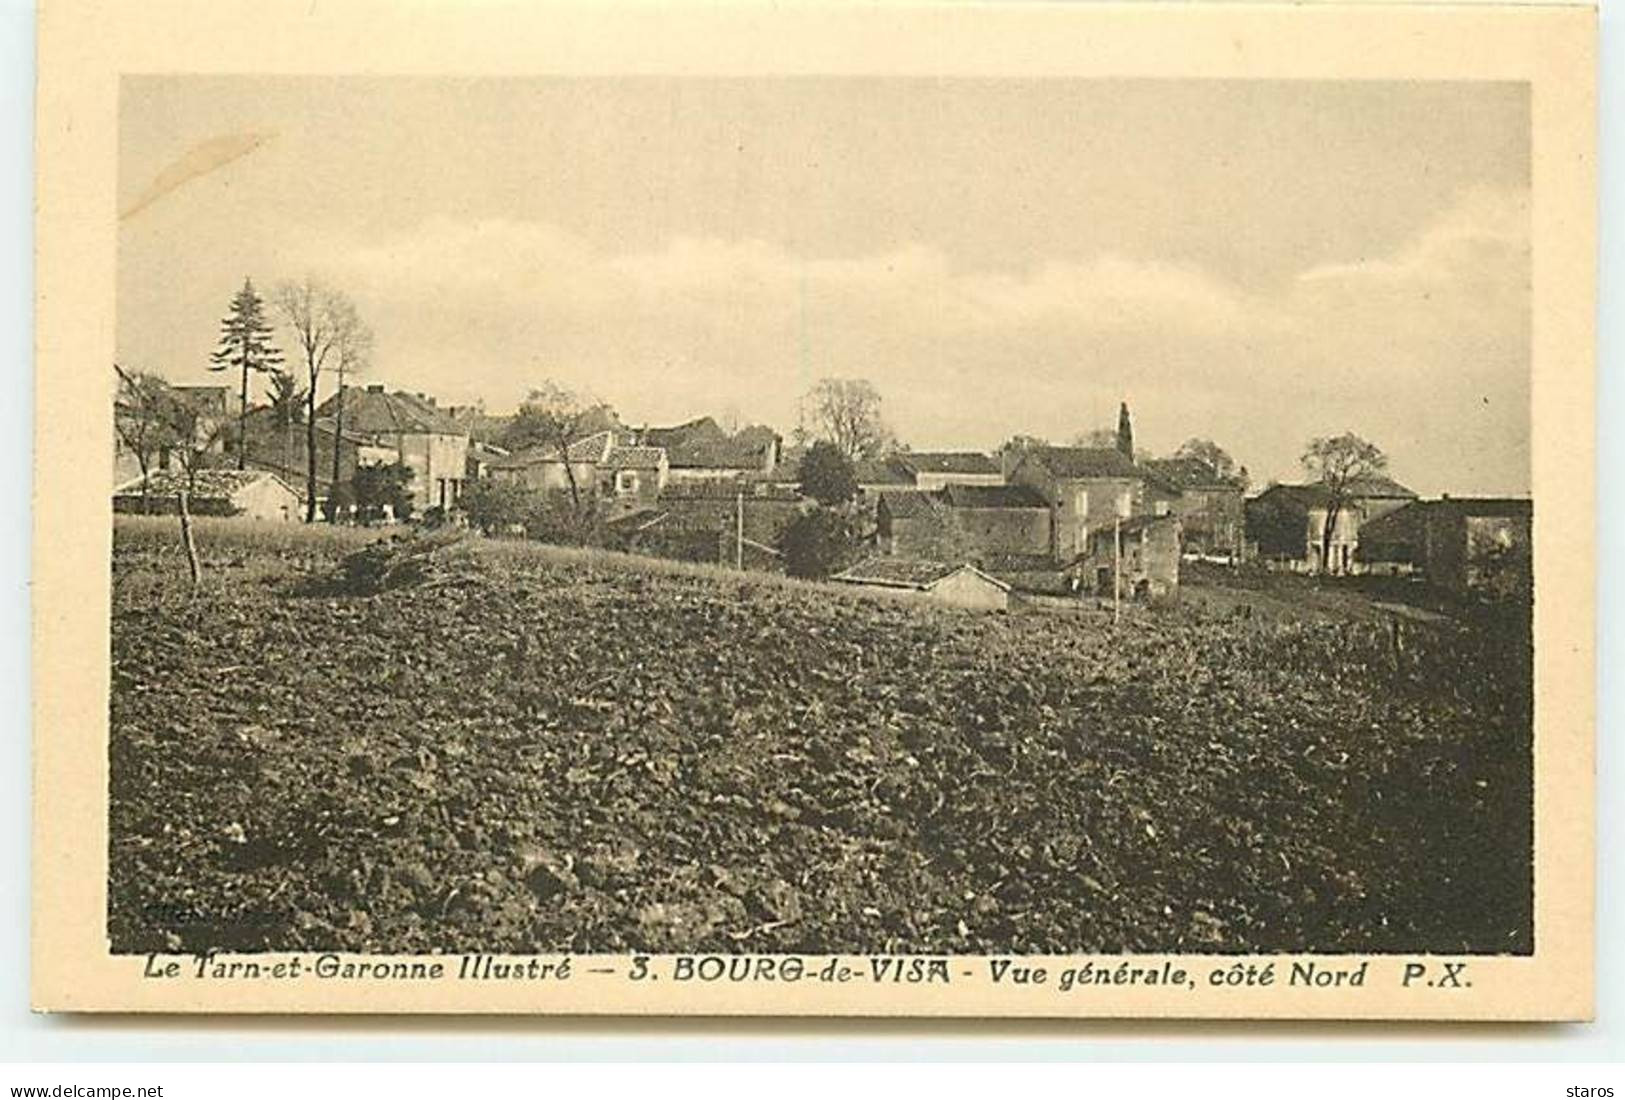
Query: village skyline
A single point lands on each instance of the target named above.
(1259, 264)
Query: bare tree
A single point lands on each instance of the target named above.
(323, 321)
(1097, 438)
(151, 417)
(353, 355)
(1205, 450)
(554, 417)
(194, 432)
(141, 419)
(1338, 464)
(846, 411)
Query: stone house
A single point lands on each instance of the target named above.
(631, 477)
(542, 468)
(938, 582)
(428, 441)
(1086, 488)
(1001, 521)
(248, 494)
(1140, 553)
(1463, 545)
(906, 521)
(1211, 508)
(700, 450)
(1286, 522)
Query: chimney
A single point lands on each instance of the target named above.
(375, 387)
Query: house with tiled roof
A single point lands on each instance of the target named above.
(700, 450)
(1210, 506)
(431, 443)
(598, 464)
(955, 584)
(1287, 523)
(1087, 488)
(249, 494)
(1132, 558)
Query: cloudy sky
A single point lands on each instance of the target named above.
(1256, 262)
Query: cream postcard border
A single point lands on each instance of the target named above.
(85, 46)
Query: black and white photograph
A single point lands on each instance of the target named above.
(825, 515)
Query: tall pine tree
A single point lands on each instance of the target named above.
(245, 346)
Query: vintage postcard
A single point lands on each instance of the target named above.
(935, 510)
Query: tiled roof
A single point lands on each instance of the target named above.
(594, 448)
(1313, 494)
(208, 484)
(906, 573)
(1086, 462)
(947, 462)
(723, 454)
(1189, 473)
(374, 412)
(634, 458)
(1482, 506)
(881, 472)
(699, 430)
(993, 496)
(909, 503)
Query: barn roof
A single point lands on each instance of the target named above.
(912, 573)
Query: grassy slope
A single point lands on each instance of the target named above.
(578, 751)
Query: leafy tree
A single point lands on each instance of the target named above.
(816, 543)
(245, 346)
(494, 506)
(826, 474)
(846, 412)
(1339, 463)
(382, 486)
(323, 322)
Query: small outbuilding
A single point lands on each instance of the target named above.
(941, 582)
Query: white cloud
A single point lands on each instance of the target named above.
(487, 307)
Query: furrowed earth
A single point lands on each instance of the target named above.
(541, 750)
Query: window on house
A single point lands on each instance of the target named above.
(627, 482)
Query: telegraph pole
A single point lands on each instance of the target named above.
(1117, 570)
(739, 528)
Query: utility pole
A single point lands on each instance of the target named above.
(1117, 570)
(739, 528)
